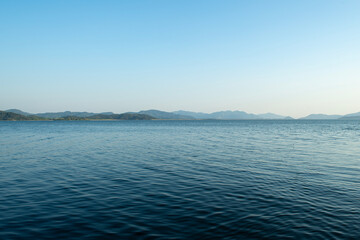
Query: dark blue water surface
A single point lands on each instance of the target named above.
(180, 180)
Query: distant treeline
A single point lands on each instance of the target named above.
(123, 116)
(9, 116)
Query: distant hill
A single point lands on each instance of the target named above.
(70, 118)
(165, 115)
(53, 115)
(352, 116)
(230, 115)
(233, 115)
(272, 116)
(220, 115)
(321, 117)
(289, 118)
(10, 116)
(17, 111)
(196, 115)
(123, 116)
(68, 114)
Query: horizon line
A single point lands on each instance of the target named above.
(174, 112)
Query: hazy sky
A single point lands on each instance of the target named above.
(287, 57)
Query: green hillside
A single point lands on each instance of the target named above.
(123, 116)
(9, 116)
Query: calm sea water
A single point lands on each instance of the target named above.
(180, 180)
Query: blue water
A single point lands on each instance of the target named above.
(180, 180)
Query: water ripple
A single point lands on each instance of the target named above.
(180, 180)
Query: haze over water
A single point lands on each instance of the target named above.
(180, 179)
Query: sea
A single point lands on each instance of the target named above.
(158, 179)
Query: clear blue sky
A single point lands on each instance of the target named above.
(287, 57)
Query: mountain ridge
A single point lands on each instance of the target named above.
(178, 115)
(231, 115)
(320, 117)
(165, 115)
